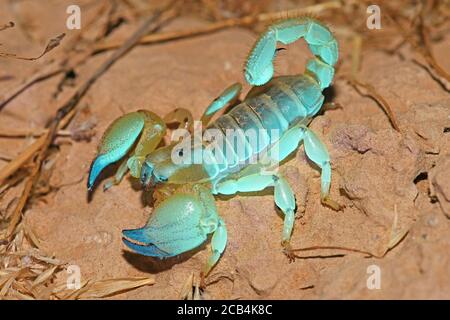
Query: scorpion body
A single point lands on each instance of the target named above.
(279, 109)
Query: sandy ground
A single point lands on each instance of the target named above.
(392, 184)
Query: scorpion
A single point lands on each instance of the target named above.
(185, 213)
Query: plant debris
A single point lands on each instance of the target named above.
(52, 44)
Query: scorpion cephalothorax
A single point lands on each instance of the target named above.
(279, 109)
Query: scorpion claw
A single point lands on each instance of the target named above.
(98, 165)
(174, 227)
(131, 136)
(149, 250)
(116, 142)
(143, 244)
(137, 235)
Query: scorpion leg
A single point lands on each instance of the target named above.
(318, 153)
(218, 244)
(287, 144)
(315, 150)
(182, 116)
(229, 95)
(283, 195)
(120, 173)
(285, 200)
(118, 140)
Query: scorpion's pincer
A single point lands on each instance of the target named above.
(177, 225)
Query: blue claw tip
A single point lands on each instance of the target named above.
(146, 250)
(137, 235)
(97, 166)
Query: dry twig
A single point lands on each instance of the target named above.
(52, 44)
(372, 93)
(224, 24)
(56, 68)
(7, 26)
(395, 238)
(40, 76)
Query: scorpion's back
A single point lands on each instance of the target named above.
(261, 119)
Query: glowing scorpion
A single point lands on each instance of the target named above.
(279, 109)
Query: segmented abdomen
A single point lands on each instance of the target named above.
(254, 125)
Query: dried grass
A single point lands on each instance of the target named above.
(106, 288)
(52, 44)
(7, 26)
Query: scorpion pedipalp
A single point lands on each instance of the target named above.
(179, 224)
(120, 137)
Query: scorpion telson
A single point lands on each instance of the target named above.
(279, 109)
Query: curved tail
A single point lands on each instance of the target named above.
(259, 66)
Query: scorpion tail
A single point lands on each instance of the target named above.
(259, 66)
(116, 142)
